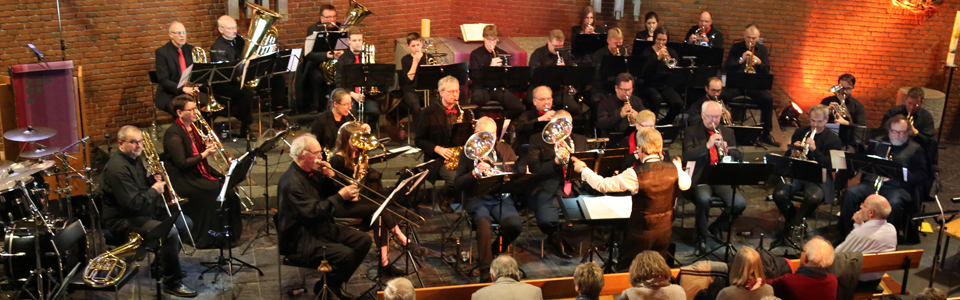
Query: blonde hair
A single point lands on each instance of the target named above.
(649, 140)
(556, 35)
(649, 270)
(819, 252)
(746, 267)
(490, 31)
(646, 115)
(614, 33)
(588, 278)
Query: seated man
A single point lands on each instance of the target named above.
(871, 234)
(540, 112)
(505, 274)
(228, 48)
(602, 87)
(588, 281)
(371, 110)
(703, 145)
(614, 111)
(922, 122)
(312, 87)
(811, 280)
(307, 233)
(813, 193)
(485, 209)
(550, 184)
(708, 33)
(547, 56)
(653, 184)
(172, 59)
(487, 56)
(903, 151)
(434, 135)
(856, 113)
(657, 85)
(751, 54)
(713, 90)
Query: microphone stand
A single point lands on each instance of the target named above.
(63, 47)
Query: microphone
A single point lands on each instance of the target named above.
(36, 52)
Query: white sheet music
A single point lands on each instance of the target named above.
(185, 77)
(308, 43)
(295, 55)
(838, 159)
(608, 207)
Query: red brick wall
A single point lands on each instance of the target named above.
(812, 41)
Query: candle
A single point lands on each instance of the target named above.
(952, 55)
(425, 27)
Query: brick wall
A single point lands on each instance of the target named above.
(812, 41)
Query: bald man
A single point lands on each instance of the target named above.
(228, 48)
(484, 210)
(751, 52)
(172, 59)
(871, 234)
(550, 184)
(542, 111)
(708, 34)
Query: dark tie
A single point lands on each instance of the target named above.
(183, 62)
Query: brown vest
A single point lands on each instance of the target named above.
(653, 203)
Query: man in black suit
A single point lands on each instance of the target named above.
(172, 59)
(483, 57)
(228, 48)
(856, 113)
(700, 145)
(750, 52)
(312, 88)
(433, 132)
(353, 55)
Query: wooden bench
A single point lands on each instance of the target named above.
(614, 284)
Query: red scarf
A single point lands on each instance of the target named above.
(195, 145)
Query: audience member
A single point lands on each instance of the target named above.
(871, 234)
(747, 280)
(650, 277)
(811, 280)
(588, 281)
(399, 288)
(505, 274)
(931, 293)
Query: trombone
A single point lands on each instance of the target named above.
(209, 136)
(155, 166)
(345, 180)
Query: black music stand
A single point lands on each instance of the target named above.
(734, 175)
(368, 75)
(875, 165)
(747, 135)
(558, 77)
(505, 77)
(151, 243)
(587, 43)
(261, 151)
(497, 185)
(705, 56)
(854, 135)
(332, 40)
(428, 76)
(669, 133)
(796, 169)
(643, 44)
(611, 66)
(208, 74)
(748, 81)
(378, 282)
(237, 173)
(581, 212)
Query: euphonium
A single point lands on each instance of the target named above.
(840, 108)
(557, 133)
(721, 152)
(155, 166)
(451, 164)
(200, 56)
(107, 268)
(480, 146)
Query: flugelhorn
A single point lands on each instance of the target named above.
(802, 154)
(155, 167)
(108, 268)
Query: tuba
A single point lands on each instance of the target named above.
(155, 167)
(557, 133)
(107, 268)
(200, 56)
(840, 108)
(355, 14)
(261, 35)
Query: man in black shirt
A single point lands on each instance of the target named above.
(903, 151)
(602, 87)
(713, 90)
(856, 113)
(132, 204)
(434, 133)
(922, 119)
(540, 112)
(551, 55)
(228, 48)
(709, 34)
(410, 64)
(307, 233)
(613, 112)
(312, 87)
(814, 193)
(172, 59)
(483, 57)
(371, 110)
(751, 53)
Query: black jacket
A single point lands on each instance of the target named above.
(480, 58)
(306, 207)
(348, 58)
(656, 74)
(434, 129)
(128, 199)
(858, 114)
(168, 73)
(716, 37)
(540, 159)
(223, 51)
(736, 51)
(695, 147)
(541, 57)
(181, 165)
(608, 114)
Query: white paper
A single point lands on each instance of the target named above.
(838, 159)
(294, 59)
(690, 165)
(308, 43)
(904, 174)
(185, 77)
(608, 207)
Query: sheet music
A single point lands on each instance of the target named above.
(608, 207)
(838, 159)
(690, 167)
(294, 59)
(308, 43)
(185, 77)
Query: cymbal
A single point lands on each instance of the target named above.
(30, 134)
(24, 169)
(40, 152)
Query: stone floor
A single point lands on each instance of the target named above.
(760, 217)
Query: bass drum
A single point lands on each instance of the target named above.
(20, 245)
(14, 204)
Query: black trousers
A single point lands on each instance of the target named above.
(413, 102)
(783, 197)
(546, 209)
(639, 240)
(364, 209)
(654, 97)
(484, 211)
(761, 98)
(512, 105)
(371, 113)
(168, 256)
(315, 90)
(702, 201)
(345, 250)
(896, 196)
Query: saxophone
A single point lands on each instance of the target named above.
(451, 164)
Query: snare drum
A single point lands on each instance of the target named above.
(20, 251)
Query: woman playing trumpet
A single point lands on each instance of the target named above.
(587, 24)
(344, 160)
(185, 157)
(657, 89)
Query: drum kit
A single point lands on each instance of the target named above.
(39, 237)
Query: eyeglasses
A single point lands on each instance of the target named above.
(229, 28)
(179, 32)
(625, 90)
(135, 142)
(898, 132)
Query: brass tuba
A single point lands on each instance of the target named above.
(107, 268)
(557, 133)
(155, 166)
(200, 56)
(355, 14)
(261, 36)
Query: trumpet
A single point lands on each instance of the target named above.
(840, 108)
(155, 166)
(671, 62)
(724, 113)
(345, 180)
(913, 129)
(721, 152)
(748, 60)
(700, 37)
(504, 57)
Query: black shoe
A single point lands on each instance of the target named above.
(716, 233)
(179, 290)
(416, 249)
(556, 245)
(701, 246)
(390, 271)
(768, 139)
(343, 294)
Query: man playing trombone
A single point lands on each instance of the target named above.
(485, 209)
(132, 204)
(652, 183)
(307, 233)
(185, 157)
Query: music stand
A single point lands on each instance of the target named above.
(797, 169)
(587, 43)
(239, 169)
(705, 56)
(378, 283)
(459, 135)
(606, 162)
(611, 66)
(642, 44)
(875, 165)
(583, 213)
(332, 40)
(734, 175)
(561, 76)
(669, 133)
(853, 135)
(261, 151)
(151, 243)
(747, 135)
(748, 81)
(428, 76)
(505, 77)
